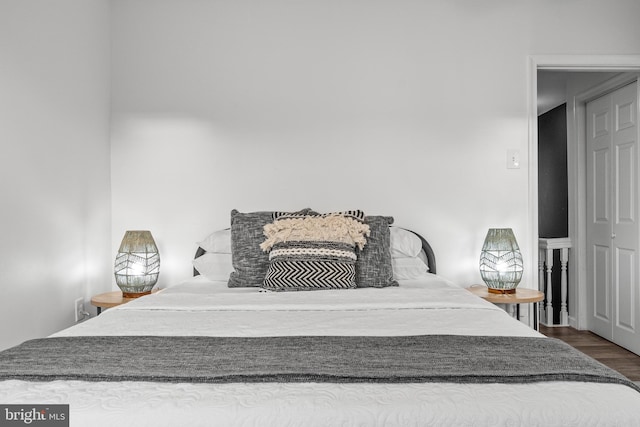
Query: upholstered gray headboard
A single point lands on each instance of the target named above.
(426, 248)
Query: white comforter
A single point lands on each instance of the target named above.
(425, 306)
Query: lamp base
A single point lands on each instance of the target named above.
(135, 294)
(502, 291)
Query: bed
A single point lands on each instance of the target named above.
(202, 353)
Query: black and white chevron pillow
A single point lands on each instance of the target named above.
(313, 252)
(295, 266)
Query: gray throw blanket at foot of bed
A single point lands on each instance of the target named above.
(409, 359)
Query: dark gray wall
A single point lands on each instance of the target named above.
(552, 173)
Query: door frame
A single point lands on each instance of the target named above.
(576, 166)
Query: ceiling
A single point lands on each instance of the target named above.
(552, 85)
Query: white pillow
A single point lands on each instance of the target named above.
(214, 266)
(218, 241)
(404, 243)
(408, 268)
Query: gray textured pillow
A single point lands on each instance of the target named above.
(373, 267)
(250, 263)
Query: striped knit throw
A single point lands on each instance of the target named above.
(310, 252)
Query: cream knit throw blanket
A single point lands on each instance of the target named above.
(330, 228)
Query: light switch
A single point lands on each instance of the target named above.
(513, 159)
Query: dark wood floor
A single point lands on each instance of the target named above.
(606, 352)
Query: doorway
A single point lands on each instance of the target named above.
(576, 65)
(556, 90)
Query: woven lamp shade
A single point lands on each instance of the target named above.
(137, 264)
(501, 263)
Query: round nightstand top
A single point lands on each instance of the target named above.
(521, 296)
(111, 299)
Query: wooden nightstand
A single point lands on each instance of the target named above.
(521, 296)
(110, 299)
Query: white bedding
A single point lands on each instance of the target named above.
(425, 306)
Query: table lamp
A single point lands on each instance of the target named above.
(501, 261)
(137, 264)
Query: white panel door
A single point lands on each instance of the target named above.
(599, 222)
(626, 232)
(613, 232)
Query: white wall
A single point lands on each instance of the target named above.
(54, 162)
(395, 107)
